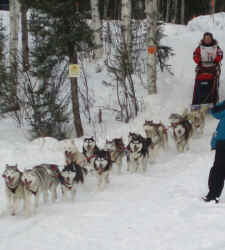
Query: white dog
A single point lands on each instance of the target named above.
(13, 187)
(72, 154)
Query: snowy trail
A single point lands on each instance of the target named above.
(160, 210)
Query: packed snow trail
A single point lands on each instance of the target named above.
(159, 210)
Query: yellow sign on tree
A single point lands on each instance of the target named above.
(74, 70)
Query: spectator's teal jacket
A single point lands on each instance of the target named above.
(218, 138)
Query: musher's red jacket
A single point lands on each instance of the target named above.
(198, 59)
(197, 55)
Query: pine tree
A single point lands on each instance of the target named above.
(3, 74)
(25, 44)
(63, 32)
(6, 89)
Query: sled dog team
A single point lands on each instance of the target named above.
(45, 178)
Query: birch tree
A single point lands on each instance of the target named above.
(151, 14)
(96, 26)
(14, 27)
(126, 20)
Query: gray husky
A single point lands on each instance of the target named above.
(40, 179)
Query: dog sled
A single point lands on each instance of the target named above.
(206, 88)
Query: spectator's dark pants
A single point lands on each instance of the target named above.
(217, 175)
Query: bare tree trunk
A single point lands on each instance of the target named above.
(75, 97)
(126, 20)
(105, 10)
(14, 27)
(96, 25)
(76, 108)
(168, 11)
(182, 12)
(151, 14)
(25, 46)
(126, 28)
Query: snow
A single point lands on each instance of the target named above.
(160, 210)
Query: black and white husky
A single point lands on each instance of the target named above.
(72, 174)
(102, 166)
(90, 150)
(182, 131)
(116, 149)
(40, 179)
(138, 149)
(14, 188)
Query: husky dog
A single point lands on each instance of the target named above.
(72, 174)
(40, 179)
(13, 187)
(197, 118)
(138, 148)
(90, 150)
(158, 133)
(102, 166)
(72, 154)
(116, 149)
(181, 131)
(159, 136)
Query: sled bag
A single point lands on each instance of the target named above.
(204, 92)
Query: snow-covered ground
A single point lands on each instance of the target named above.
(160, 210)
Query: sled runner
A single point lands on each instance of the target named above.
(206, 89)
